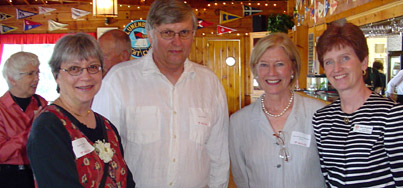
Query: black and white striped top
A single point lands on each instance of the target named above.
(362, 149)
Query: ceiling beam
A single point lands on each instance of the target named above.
(26, 2)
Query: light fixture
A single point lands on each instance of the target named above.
(105, 8)
(230, 61)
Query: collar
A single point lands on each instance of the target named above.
(150, 67)
(7, 99)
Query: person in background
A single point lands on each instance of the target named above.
(372, 78)
(271, 141)
(18, 106)
(70, 145)
(396, 85)
(359, 136)
(172, 113)
(116, 46)
(377, 65)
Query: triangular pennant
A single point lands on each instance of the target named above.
(24, 14)
(333, 6)
(6, 28)
(4, 16)
(247, 11)
(45, 10)
(30, 25)
(56, 25)
(227, 17)
(77, 13)
(326, 7)
(203, 23)
(321, 9)
(221, 29)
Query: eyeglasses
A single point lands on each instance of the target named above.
(168, 34)
(32, 73)
(76, 70)
(280, 140)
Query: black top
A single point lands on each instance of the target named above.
(47, 130)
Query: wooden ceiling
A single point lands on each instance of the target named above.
(193, 3)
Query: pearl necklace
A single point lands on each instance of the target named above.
(280, 114)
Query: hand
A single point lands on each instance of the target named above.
(38, 111)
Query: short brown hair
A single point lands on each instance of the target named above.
(338, 35)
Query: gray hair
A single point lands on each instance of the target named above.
(16, 62)
(276, 39)
(79, 46)
(122, 39)
(168, 12)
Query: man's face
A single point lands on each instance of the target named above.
(170, 53)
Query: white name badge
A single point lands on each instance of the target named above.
(81, 147)
(362, 129)
(300, 139)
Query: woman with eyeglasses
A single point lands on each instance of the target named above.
(271, 141)
(360, 135)
(18, 106)
(69, 144)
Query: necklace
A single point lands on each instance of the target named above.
(79, 115)
(280, 114)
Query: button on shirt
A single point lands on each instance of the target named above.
(15, 125)
(173, 135)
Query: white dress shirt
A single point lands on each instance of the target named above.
(255, 156)
(173, 135)
(395, 84)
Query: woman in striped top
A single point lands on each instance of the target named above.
(360, 135)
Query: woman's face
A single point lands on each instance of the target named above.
(26, 86)
(344, 69)
(81, 88)
(274, 71)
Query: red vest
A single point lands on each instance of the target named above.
(90, 167)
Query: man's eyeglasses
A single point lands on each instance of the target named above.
(32, 73)
(280, 140)
(168, 34)
(76, 70)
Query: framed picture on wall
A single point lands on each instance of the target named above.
(102, 30)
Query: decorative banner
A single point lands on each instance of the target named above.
(30, 25)
(247, 11)
(6, 29)
(320, 9)
(333, 6)
(221, 29)
(227, 17)
(45, 10)
(138, 35)
(326, 7)
(4, 16)
(306, 11)
(203, 23)
(24, 14)
(56, 25)
(77, 13)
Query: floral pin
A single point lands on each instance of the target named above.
(103, 150)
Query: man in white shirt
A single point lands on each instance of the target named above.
(396, 85)
(171, 113)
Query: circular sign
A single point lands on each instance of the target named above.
(138, 35)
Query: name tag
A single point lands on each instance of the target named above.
(81, 147)
(363, 129)
(300, 139)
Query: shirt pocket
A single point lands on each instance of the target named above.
(200, 125)
(144, 126)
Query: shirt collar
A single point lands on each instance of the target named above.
(8, 100)
(151, 68)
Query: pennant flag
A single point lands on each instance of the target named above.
(30, 24)
(24, 14)
(227, 17)
(221, 29)
(77, 13)
(247, 11)
(333, 6)
(306, 11)
(321, 9)
(326, 7)
(45, 10)
(4, 16)
(203, 23)
(6, 29)
(56, 25)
